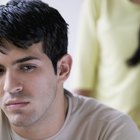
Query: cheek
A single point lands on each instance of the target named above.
(44, 92)
(41, 83)
(1, 88)
(2, 101)
(2, 95)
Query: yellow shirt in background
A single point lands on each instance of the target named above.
(107, 38)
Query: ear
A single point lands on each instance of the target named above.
(64, 67)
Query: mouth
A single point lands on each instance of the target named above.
(15, 105)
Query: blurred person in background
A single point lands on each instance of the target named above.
(107, 57)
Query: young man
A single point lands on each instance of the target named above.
(33, 67)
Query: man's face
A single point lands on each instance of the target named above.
(28, 84)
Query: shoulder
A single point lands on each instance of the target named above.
(106, 121)
(93, 107)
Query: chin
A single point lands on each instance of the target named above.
(19, 120)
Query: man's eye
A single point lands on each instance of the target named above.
(2, 70)
(27, 68)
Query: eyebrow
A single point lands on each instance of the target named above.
(21, 60)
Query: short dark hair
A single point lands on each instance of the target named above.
(24, 22)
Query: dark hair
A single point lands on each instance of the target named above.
(24, 22)
(135, 59)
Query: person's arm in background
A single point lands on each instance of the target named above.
(87, 50)
(83, 92)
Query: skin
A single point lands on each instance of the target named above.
(136, 1)
(31, 94)
(83, 92)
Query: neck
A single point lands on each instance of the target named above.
(49, 126)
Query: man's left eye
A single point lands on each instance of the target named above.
(27, 68)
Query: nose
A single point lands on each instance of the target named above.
(12, 84)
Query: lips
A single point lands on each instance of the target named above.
(16, 104)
